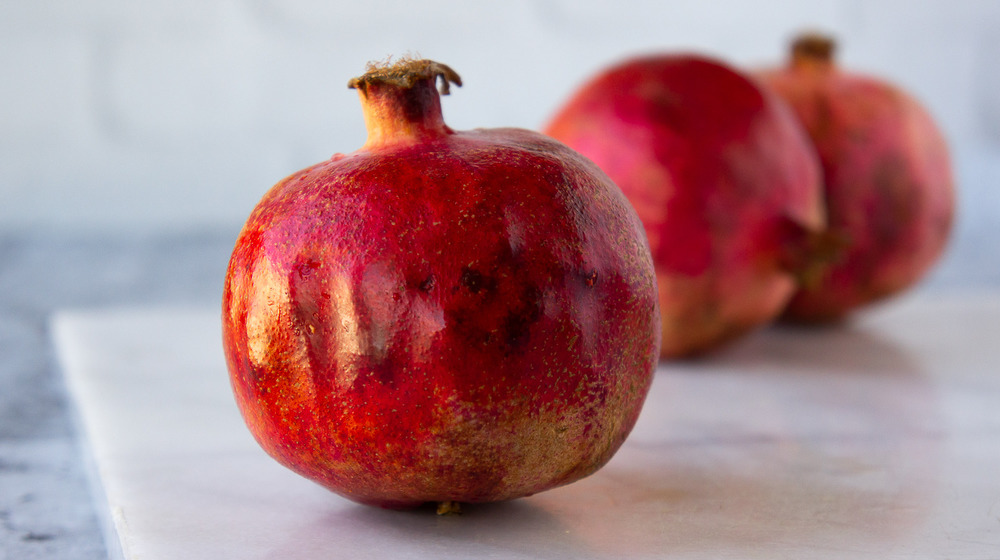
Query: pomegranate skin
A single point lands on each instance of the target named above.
(722, 178)
(441, 316)
(887, 179)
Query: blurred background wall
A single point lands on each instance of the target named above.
(177, 115)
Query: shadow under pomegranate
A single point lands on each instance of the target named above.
(517, 528)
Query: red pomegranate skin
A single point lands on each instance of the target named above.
(723, 179)
(887, 178)
(441, 316)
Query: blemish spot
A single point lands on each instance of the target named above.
(591, 279)
(428, 284)
(518, 323)
(473, 280)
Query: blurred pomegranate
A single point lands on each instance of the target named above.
(723, 179)
(441, 316)
(887, 177)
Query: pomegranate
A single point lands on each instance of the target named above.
(887, 180)
(723, 179)
(441, 316)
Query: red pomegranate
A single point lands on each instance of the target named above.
(441, 316)
(723, 179)
(887, 178)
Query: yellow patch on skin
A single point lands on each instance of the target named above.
(514, 452)
(268, 301)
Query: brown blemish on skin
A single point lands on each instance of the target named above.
(428, 283)
(476, 281)
(518, 322)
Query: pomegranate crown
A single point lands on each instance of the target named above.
(814, 45)
(405, 73)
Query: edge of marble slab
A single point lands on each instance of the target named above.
(109, 517)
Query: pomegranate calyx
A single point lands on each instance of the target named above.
(400, 102)
(816, 253)
(406, 73)
(813, 49)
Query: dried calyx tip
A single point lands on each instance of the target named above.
(405, 73)
(814, 45)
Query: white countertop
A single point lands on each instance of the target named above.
(878, 439)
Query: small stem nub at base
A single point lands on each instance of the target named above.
(449, 508)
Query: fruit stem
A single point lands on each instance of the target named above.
(449, 508)
(400, 100)
(813, 50)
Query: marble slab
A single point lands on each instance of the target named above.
(875, 439)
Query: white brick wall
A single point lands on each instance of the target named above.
(181, 113)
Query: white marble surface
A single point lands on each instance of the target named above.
(879, 439)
